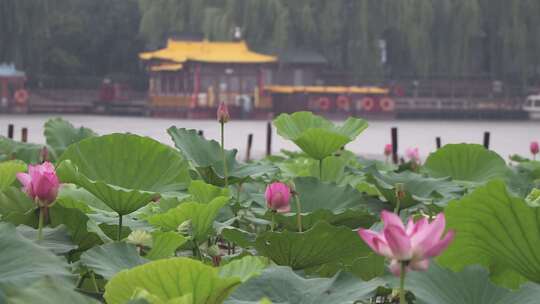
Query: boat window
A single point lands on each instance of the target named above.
(536, 103)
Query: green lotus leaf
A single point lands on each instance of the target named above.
(322, 244)
(466, 162)
(72, 196)
(8, 172)
(315, 135)
(17, 208)
(523, 178)
(496, 230)
(204, 193)
(206, 156)
(124, 171)
(48, 291)
(109, 259)
(244, 268)
(281, 285)
(368, 267)
(201, 215)
(333, 168)
(165, 244)
(418, 188)
(60, 133)
(76, 222)
(22, 262)
(57, 240)
(533, 198)
(470, 286)
(323, 201)
(171, 278)
(142, 296)
(26, 152)
(240, 237)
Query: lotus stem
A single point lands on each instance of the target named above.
(94, 283)
(42, 212)
(273, 221)
(298, 213)
(225, 173)
(196, 250)
(320, 169)
(402, 283)
(398, 203)
(119, 232)
(80, 281)
(399, 193)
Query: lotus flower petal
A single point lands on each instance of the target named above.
(391, 219)
(399, 242)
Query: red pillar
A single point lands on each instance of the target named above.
(196, 86)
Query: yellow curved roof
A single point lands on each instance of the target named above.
(166, 67)
(325, 89)
(205, 51)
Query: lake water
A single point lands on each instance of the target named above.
(507, 137)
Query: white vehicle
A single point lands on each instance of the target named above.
(532, 105)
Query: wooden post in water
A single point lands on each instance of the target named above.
(269, 138)
(394, 145)
(438, 142)
(11, 128)
(24, 135)
(486, 140)
(249, 144)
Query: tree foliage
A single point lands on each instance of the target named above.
(453, 38)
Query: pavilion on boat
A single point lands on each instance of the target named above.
(194, 76)
(12, 91)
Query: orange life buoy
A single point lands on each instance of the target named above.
(367, 104)
(343, 102)
(324, 103)
(21, 97)
(387, 104)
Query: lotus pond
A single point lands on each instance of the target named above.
(121, 218)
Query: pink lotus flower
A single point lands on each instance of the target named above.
(414, 244)
(535, 148)
(413, 154)
(40, 183)
(388, 149)
(278, 196)
(223, 113)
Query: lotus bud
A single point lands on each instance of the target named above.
(185, 228)
(413, 154)
(278, 196)
(388, 150)
(213, 251)
(223, 113)
(41, 183)
(156, 198)
(535, 148)
(140, 238)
